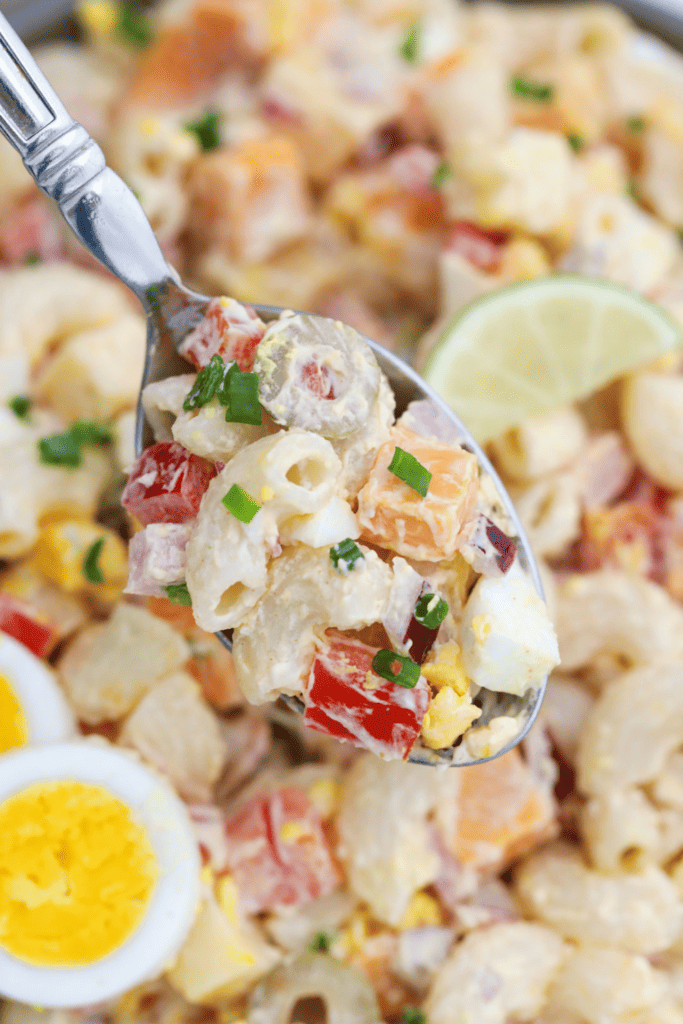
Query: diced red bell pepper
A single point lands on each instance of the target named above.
(277, 852)
(482, 248)
(26, 625)
(166, 484)
(229, 330)
(348, 701)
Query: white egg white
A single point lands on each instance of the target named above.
(175, 900)
(48, 715)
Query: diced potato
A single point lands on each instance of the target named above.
(110, 666)
(174, 728)
(221, 959)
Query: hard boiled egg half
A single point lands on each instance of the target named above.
(99, 874)
(33, 708)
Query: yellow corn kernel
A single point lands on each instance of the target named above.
(61, 551)
(99, 16)
(326, 795)
(293, 831)
(423, 910)
(447, 670)
(227, 895)
(448, 716)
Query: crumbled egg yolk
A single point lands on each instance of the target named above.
(292, 832)
(13, 724)
(76, 874)
(447, 670)
(423, 910)
(448, 716)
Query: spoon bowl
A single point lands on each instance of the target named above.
(107, 218)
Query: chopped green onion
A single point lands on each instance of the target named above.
(240, 504)
(440, 174)
(344, 556)
(525, 89)
(576, 142)
(407, 675)
(411, 1015)
(133, 27)
(207, 383)
(242, 403)
(60, 450)
(321, 942)
(88, 432)
(636, 123)
(177, 593)
(410, 44)
(66, 449)
(407, 468)
(33, 259)
(207, 130)
(20, 406)
(430, 611)
(91, 566)
(633, 189)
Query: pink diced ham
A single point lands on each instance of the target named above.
(480, 247)
(156, 558)
(30, 231)
(278, 853)
(414, 167)
(348, 701)
(166, 484)
(229, 330)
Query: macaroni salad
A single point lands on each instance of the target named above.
(380, 164)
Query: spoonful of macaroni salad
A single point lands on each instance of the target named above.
(304, 490)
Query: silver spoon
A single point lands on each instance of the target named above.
(106, 217)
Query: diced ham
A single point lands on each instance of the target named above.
(348, 701)
(208, 823)
(30, 231)
(26, 625)
(278, 854)
(483, 249)
(414, 168)
(248, 739)
(156, 558)
(229, 330)
(605, 469)
(166, 484)
(629, 535)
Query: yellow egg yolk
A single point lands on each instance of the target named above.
(76, 874)
(13, 724)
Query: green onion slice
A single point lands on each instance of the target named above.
(33, 259)
(576, 142)
(243, 401)
(207, 130)
(430, 611)
(525, 89)
(410, 44)
(133, 27)
(177, 593)
(20, 406)
(411, 1015)
(407, 468)
(87, 432)
(440, 175)
(384, 665)
(66, 449)
(91, 565)
(344, 556)
(636, 123)
(240, 504)
(206, 384)
(321, 942)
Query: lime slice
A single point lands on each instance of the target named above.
(533, 347)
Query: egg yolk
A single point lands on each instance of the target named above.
(76, 874)
(13, 724)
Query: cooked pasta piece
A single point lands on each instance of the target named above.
(641, 913)
(622, 830)
(162, 401)
(274, 645)
(550, 511)
(496, 974)
(540, 445)
(205, 432)
(110, 665)
(653, 424)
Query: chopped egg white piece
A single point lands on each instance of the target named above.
(33, 709)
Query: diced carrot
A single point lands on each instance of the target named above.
(502, 812)
(393, 515)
